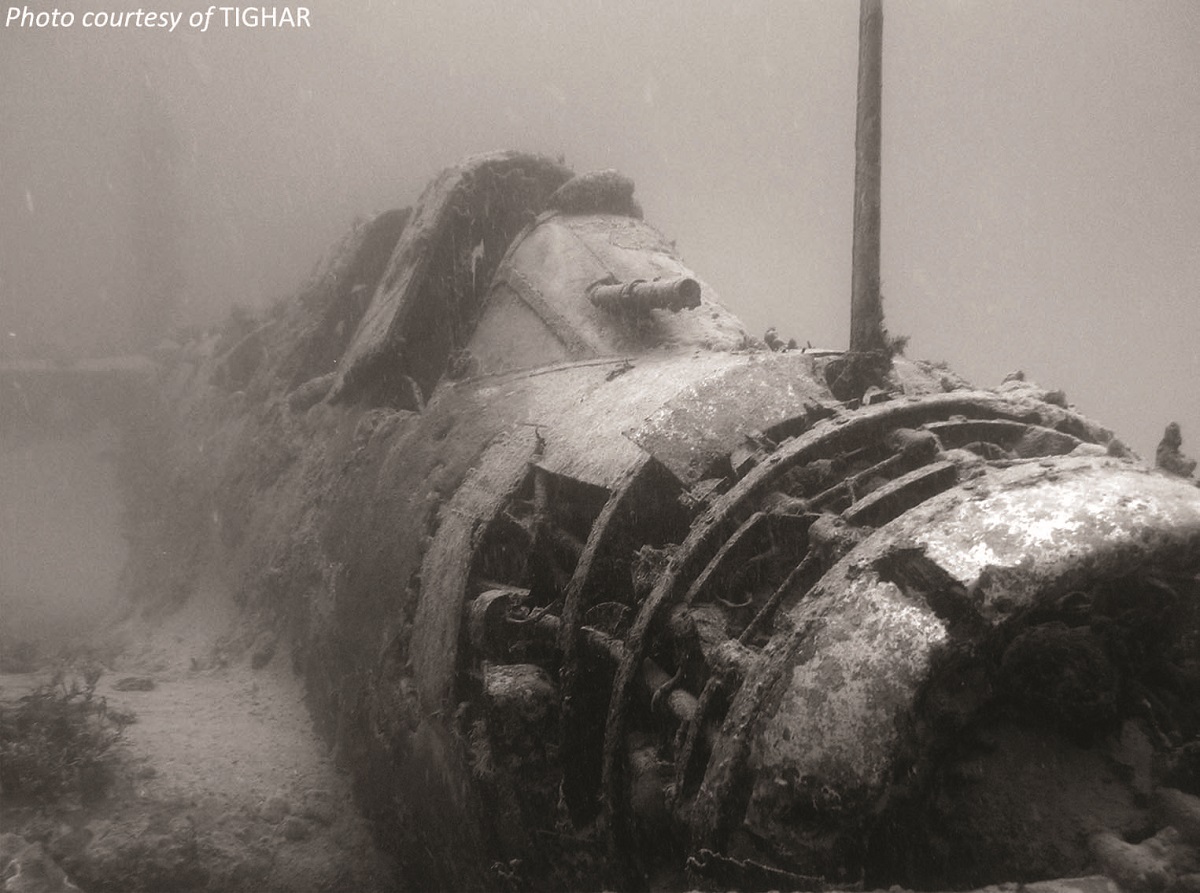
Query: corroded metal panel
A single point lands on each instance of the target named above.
(403, 297)
(447, 564)
(553, 265)
(714, 414)
(583, 409)
(829, 706)
(1037, 521)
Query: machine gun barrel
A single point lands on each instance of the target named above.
(640, 295)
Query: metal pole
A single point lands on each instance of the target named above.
(866, 307)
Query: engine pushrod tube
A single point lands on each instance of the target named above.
(641, 295)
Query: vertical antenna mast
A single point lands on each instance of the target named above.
(866, 307)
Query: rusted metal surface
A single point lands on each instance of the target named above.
(844, 686)
(478, 204)
(1041, 520)
(590, 601)
(711, 416)
(866, 314)
(584, 409)
(446, 566)
(554, 266)
(640, 297)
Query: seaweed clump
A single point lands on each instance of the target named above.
(57, 741)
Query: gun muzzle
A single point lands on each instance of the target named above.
(641, 296)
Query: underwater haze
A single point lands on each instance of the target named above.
(1041, 166)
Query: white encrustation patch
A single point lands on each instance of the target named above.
(1087, 503)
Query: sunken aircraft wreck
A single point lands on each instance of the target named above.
(590, 588)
